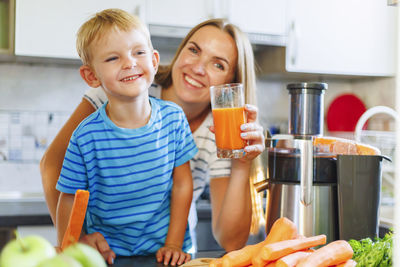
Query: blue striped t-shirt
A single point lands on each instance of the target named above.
(129, 175)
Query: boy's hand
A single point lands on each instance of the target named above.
(172, 253)
(97, 241)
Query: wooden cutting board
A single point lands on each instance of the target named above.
(199, 262)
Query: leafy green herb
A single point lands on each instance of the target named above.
(373, 253)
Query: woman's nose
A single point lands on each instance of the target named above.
(199, 68)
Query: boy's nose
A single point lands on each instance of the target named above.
(129, 63)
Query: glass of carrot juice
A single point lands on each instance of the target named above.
(227, 103)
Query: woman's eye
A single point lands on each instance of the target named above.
(111, 59)
(219, 66)
(193, 50)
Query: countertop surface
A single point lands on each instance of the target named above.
(34, 211)
(24, 212)
(150, 261)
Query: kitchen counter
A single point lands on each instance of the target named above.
(150, 261)
(15, 213)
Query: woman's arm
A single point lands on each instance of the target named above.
(231, 207)
(51, 162)
(230, 196)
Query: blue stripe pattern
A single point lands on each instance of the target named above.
(129, 175)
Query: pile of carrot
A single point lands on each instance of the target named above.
(283, 247)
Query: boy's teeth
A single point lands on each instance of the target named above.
(129, 78)
(192, 82)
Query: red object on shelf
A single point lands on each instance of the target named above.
(344, 112)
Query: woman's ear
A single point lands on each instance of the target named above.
(156, 60)
(89, 76)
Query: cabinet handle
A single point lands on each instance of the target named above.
(293, 43)
(139, 11)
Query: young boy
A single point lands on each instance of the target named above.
(133, 153)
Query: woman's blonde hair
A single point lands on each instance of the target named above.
(245, 74)
(100, 24)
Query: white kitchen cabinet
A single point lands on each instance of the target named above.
(263, 20)
(180, 13)
(348, 37)
(47, 28)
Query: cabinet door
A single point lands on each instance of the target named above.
(180, 13)
(47, 28)
(258, 16)
(355, 37)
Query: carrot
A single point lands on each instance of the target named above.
(348, 263)
(334, 253)
(76, 218)
(241, 257)
(282, 229)
(277, 250)
(216, 263)
(292, 259)
(271, 264)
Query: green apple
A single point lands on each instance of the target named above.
(86, 255)
(60, 260)
(26, 252)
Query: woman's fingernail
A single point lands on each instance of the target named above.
(243, 134)
(243, 127)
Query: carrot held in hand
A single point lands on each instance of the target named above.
(291, 260)
(76, 218)
(271, 252)
(334, 253)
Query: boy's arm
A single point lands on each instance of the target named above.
(64, 208)
(181, 199)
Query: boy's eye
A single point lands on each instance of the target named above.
(111, 59)
(141, 52)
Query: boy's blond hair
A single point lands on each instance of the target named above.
(100, 24)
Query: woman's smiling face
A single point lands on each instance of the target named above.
(208, 58)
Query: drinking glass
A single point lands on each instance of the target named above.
(227, 103)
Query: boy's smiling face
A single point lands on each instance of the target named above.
(123, 63)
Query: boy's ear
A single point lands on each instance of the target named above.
(156, 60)
(89, 76)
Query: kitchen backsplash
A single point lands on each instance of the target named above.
(25, 135)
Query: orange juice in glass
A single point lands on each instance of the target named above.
(227, 103)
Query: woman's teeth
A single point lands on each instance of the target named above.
(193, 82)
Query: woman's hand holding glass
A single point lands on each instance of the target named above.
(253, 133)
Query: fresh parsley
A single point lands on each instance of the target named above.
(371, 253)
